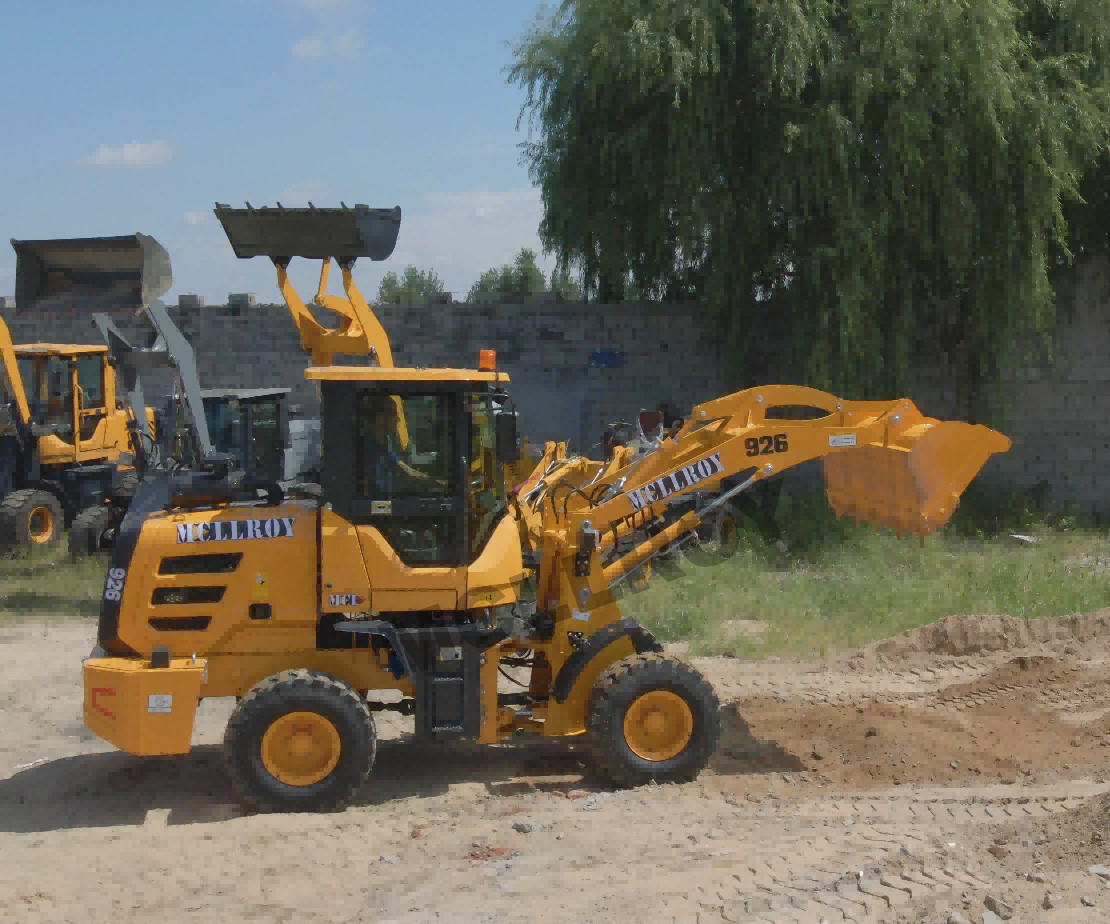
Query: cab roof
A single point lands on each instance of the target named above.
(380, 374)
(59, 349)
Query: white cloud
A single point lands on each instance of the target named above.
(344, 45)
(7, 272)
(195, 218)
(462, 234)
(132, 154)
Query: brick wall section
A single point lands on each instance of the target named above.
(1057, 418)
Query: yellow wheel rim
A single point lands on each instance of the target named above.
(40, 525)
(300, 748)
(658, 725)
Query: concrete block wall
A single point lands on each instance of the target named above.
(1058, 417)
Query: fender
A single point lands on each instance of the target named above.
(641, 638)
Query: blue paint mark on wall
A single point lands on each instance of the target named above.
(605, 359)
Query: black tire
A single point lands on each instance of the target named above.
(30, 519)
(621, 686)
(717, 538)
(87, 531)
(269, 701)
(127, 483)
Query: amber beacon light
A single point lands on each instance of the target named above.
(487, 360)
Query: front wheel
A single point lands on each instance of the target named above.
(651, 717)
(299, 741)
(88, 533)
(30, 519)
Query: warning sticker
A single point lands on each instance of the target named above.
(159, 702)
(841, 439)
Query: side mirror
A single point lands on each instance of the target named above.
(508, 449)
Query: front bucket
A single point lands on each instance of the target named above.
(281, 233)
(90, 273)
(912, 485)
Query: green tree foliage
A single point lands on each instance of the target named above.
(566, 285)
(515, 281)
(414, 287)
(836, 179)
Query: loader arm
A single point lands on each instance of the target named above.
(359, 333)
(171, 348)
(322, 234)
(11, 373)
(884, 463)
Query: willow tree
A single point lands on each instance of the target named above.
(849, 183)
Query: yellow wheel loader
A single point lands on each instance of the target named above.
(66, 443)
(408, 572)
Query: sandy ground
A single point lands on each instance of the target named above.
(957, 772)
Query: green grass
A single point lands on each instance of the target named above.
(46, 586)
(843, 586)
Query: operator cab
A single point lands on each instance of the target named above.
(52, 374)
(416, 454)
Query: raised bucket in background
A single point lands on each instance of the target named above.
(90, 273)
(913, 485)
(318, 234)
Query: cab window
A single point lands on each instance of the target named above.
(486, 492)
(89, 379)
(404, 476)
(403, 446)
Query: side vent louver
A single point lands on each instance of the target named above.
(179, 624)
(175, 595)
(210, 563)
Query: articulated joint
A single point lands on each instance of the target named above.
(588, 541)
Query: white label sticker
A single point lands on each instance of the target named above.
(842, 439)
(159, 702)
(580, 614)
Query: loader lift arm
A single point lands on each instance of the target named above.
(884, 463)
(170, 348)
(12, 376)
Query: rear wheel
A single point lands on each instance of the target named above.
(89, 529)
(127, 484)
(299, 741)
(651, 717)
(30, 519)
(717, 538)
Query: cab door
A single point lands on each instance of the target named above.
(394, 466)
(92, 415)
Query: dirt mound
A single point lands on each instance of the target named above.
(1034, 714)
(884, 743)
(1022, 676)
(963, 636)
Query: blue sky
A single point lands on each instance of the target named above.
(121, 117)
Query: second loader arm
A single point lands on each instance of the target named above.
(591, 524)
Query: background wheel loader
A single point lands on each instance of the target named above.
(407, 573)
(242, 431)
(50, 478)
(65, 441)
